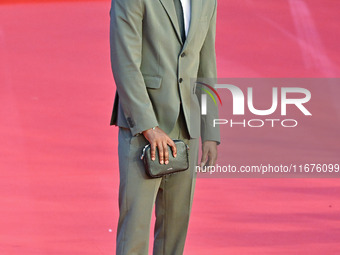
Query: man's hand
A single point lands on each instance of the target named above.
(158, 138)
(209, 153)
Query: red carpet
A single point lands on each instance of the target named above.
(58, 154)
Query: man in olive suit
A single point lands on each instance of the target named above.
(157, 47)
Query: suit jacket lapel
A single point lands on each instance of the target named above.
(196, 8)
(170, 9)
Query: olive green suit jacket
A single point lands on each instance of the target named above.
(153, 69)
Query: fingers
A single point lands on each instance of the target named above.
(160, 152)
(160, 140)
(204, 158)
(153, 151)
(166, 152)
(173, 148)
(163, 154)
(212, 158)
(163, 151)
(209, 154)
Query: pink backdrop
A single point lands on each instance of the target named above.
(58, 155)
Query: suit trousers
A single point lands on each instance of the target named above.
(172, 196)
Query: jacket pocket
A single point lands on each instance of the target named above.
(152, 82)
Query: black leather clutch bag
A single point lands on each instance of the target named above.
(154, 169)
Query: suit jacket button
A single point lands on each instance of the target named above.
(183, 55)
(180, 80)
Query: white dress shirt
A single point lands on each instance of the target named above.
(187, 14)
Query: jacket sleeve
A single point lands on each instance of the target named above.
(126, 48)
(207, 69)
